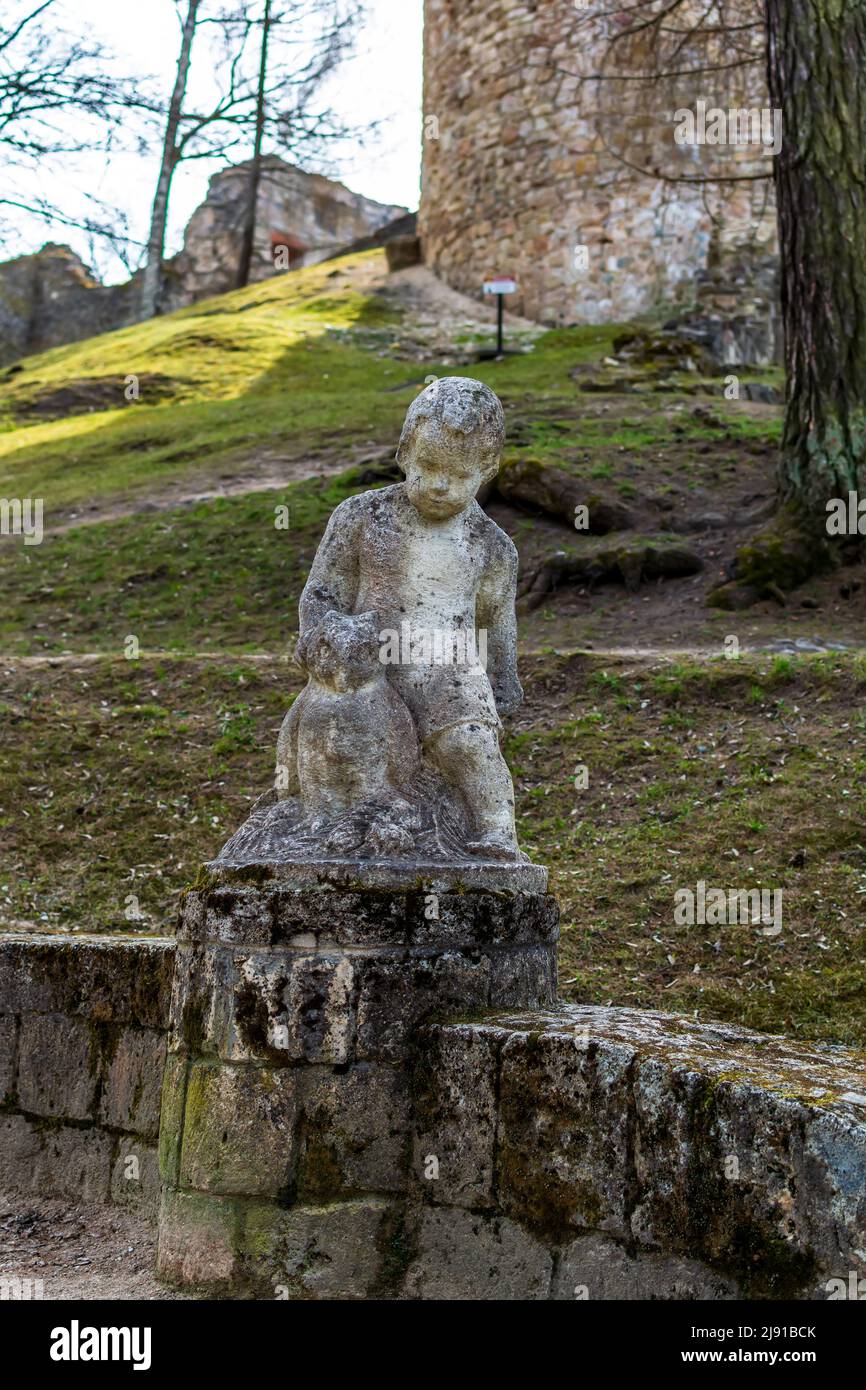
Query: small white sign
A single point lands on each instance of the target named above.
(500, 286)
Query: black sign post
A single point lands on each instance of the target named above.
(500, 285)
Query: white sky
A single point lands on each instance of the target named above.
(382, 81)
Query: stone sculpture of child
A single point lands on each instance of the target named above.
(422, 553)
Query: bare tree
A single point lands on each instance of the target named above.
(59, 97)
(156, 238)
(266, 94)
(249, 229)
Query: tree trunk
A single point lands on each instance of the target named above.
(816, 65)
(152, 280)
(249, 229)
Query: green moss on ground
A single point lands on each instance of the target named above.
(746, 774)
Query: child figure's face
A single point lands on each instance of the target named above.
(444, 470)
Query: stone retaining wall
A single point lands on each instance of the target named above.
(620, 1154)
(82, 1051)
(556, 1153)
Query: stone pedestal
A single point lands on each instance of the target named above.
(287, 1113)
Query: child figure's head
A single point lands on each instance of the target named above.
(451, 443)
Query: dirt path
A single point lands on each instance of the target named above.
(77, 1252)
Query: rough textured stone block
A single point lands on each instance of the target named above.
(463, 1255)
(521, 978)
(54, 1160)
(58, 1070)
(135, 1176)
(451, 920)
(8, 1041)
(697, 1142)
(397, 995)
(132, 1084)
(201, 998)
(174, 1081)
(197, 1239)
(109, 980)
(831, 1190)
(238, 1134)
(455, 1092)
(593, 1268)
(562, 1153)
(354, 1132)
(288, 1007)
(335, 1251)
(237, 916)
(340, 918)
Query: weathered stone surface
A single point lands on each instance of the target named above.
(595, 1267)
(201, 999)
(273, 913)
(397, 995)
(107, 979)
(132, 1083)
(335, 1251)
(562, 1153)
(197, 1239)
(326, 875)
(289, 1007)
(688, 1142)
(455, 920)
(174, 1081)
(8, 1041)
(532, 168)
(455, 1095)
(522, 977)
(311, 217)
(58, 1071)
(463, 1255)
(135, 1176)
(239, 1129)
(90, 1048)
(354, 1132)
(54, 1160)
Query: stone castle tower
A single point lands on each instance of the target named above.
(551, 154)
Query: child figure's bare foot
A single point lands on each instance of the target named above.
(495, 844)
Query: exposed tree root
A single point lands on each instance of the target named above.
(779, 558)
(528, 483)
(632, 564)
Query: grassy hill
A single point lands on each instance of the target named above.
(122, 775)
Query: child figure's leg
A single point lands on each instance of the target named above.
(468, 757)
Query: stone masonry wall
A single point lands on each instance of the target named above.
(82, 1051)
(560, 1153)
(528, 156)
(596, 1153)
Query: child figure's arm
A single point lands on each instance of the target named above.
(332, 583)
(494, 611)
